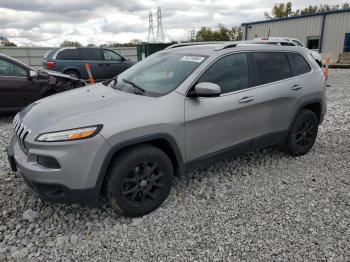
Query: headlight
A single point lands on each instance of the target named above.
(69, 135)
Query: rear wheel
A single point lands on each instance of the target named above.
(303, 133)
(73, 73)
(139, 180)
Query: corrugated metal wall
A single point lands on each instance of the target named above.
(33, 56)
(336, 25)
(295, 28)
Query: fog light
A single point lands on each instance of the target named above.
(48, 161)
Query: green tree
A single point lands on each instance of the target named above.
(221, 34)
(281, 10)
(7, 43)
(67, 43)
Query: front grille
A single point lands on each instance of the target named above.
(21, 132)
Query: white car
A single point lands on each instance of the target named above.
(289, 42)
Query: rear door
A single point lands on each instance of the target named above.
(114, 63)
(94, 57)
(216, 124)
(279, 89)
(16, 89)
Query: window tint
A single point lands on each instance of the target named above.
(69, 54)
(111, 56)
(11, 69)
(94, 54)
(287, 44)
(298, 64)
(230, 73)
(271, 67)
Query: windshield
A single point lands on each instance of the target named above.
(158, 74)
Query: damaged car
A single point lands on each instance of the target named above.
(20, 84)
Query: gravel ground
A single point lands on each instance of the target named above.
(264, 205)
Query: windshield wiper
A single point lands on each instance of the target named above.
(140, 89)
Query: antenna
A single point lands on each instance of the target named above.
(150, 29)
(160, 32)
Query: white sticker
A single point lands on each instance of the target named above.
(195, 59)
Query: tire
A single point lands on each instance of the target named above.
(139, 180)
(73, 73)
(302, 134)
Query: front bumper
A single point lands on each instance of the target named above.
(75, 181)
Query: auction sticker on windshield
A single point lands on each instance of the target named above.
(195, 59)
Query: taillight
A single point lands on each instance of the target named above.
(51, 64)
(264, 38)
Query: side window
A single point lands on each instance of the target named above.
(10, 69)
(69, 54)
(270, 67)
(287, 44)
(111, 56)
(93, 54)
(298, 64)
(230, 73)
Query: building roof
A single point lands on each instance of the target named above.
(295, 17)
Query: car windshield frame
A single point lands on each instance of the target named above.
(167, 58)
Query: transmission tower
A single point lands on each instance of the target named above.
(150, 29)
(160, 32)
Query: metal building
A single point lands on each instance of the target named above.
(327, 32)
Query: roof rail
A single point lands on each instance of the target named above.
(194, 44)
(226, 45)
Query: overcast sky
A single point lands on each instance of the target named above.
(49, 22)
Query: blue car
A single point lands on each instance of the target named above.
(104, 63)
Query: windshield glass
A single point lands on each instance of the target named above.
(158, 74)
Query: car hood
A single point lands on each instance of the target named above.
(85, 106)
(60, 75)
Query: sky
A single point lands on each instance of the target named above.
(50, 22)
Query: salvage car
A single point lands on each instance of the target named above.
(174, 111)
(21, 85)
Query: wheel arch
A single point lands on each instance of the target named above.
(164, 142)
(72, 68)
(314, 105)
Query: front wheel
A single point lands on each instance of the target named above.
(302, 134)
(139, 180)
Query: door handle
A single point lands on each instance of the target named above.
(100, 64)
(107, 64)
(296, 87)
(246, 99)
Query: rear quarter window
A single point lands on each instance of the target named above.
(270, 67)
(298, 64)
(69, 54)
(92, 54)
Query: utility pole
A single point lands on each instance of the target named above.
(160, 32)
(150, 28)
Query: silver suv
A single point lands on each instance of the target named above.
(168, 114)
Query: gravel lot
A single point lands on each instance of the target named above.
(262, 206)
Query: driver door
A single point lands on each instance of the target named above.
(216, 125)
(16, 89)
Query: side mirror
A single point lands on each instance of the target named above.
(205, 89)
(33, 74)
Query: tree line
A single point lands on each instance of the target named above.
(282, 10)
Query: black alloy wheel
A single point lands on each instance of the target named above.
(143, 183)
(303, 133)
(138, 180)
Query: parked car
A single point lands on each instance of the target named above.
(286, 41)
(176, 110)
(20, 85)
(104, 63)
